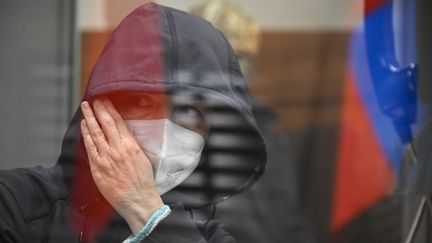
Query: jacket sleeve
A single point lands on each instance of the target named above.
(12, 224)
(180, 228)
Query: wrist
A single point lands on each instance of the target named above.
(151, 224)
(139, 214)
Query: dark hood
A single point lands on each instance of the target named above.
(159, 49)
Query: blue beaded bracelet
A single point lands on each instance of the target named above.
(151, 224)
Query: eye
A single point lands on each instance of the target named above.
(187, 115)
(139, 105)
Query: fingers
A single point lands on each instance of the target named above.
(88, 140)
(121, 125)
(94, 129)
(96, 162)
(107, 122)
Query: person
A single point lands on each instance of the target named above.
(133, 161)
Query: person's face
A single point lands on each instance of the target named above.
(183, 110)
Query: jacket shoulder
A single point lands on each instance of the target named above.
(35, 190)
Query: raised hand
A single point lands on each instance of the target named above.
(120, 169)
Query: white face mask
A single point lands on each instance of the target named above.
(173, 150)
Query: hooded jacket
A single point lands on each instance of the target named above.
(154, 49)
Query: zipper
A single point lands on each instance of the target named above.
(84, 210)
(81, 240)
(83, 231)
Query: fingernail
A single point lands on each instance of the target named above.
(84, 105)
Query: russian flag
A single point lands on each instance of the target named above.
(378, 112)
